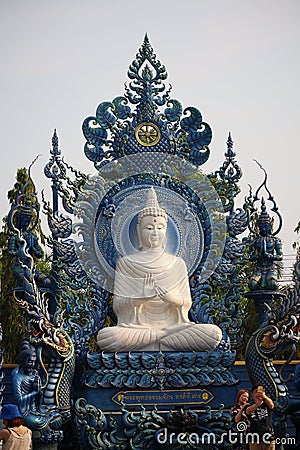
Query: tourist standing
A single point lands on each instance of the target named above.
(240, 419)
(260, 416)
(15, 435)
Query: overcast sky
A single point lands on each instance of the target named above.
(236, 60)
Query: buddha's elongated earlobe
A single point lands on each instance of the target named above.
(164, 242)
(140, 244)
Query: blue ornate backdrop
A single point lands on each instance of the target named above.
(125, 400)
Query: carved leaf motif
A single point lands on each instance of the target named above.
(190, 379)
(218, 379)
(199, 139)
(119, 380)
(228, 359)
(94, 154)
(135, 361)
(201, 359)
(146, 381)
(188, 360)
(132, 380)
(108, 361)
(192, 122)
(120, 109)
(205, 379)
(93, 132)
(176, 380)
(122, 360)
(173, 113)
(104, 117)
(215, 358)
(149, 361)
(237, 222)
(200, 157)
(174, 360)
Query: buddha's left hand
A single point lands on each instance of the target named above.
(167, 296)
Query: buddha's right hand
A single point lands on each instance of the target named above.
(149, 290)
(37, 383)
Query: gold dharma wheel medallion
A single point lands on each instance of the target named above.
(147, 134)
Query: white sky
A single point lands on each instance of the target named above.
(236, 60)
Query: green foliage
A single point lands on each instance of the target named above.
(21, 180)
(12, 317)
(250, 316)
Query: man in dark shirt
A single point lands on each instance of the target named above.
(260, 416)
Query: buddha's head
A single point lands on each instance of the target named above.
(27, 357)
(152, 224)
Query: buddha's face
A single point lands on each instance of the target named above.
(152, 232)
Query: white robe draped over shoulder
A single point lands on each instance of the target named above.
(156, 322)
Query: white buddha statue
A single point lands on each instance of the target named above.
(152, 296)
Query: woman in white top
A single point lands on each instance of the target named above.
(14, 436)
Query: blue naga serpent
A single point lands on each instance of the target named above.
(276, 334)
(55, 349)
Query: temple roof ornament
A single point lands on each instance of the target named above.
(226, 178)
(55, 168)
(264, 216)
(118, 130)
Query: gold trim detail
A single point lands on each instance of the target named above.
(147, 134)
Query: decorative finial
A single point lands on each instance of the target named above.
(264, 214)
(230, 153)
(55, 168)
(55, 150)
(118, 130)
(32, 163)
